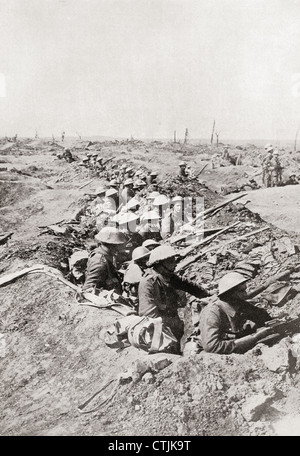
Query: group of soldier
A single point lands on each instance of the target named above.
(272, 169)
(132, 257)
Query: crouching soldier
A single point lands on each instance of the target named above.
(101, 271)
(230, 324)
(157, 290)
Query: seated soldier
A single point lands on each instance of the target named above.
(132, 278)
(157, 290)
(101, 272)
(230, 324)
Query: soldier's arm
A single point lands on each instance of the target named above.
(189, 286)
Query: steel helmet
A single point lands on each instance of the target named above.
(270, 149)
(95, 154)
(132, 203)
(161, 253)
(128, 182)
(140, 183)
(114, 183)
(129, 170)
(115, 218)
(182, 163)
(154, 173)
(230, 281)
(100, 191)
(111, 235)
(152, 195)
(161, 200)
(133, 274)
(139, 253)
(128, 217)
(99, 159)
(85, 159)
(88, 155)
(150, 215)
(177, 198)
(138, 172)
(268, 146)
(111, 192)
(150, 243)
(276, 152)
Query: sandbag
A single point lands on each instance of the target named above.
(278, 293)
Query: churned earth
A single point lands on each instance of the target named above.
(52, 354)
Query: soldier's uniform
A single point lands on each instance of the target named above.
(101, 273)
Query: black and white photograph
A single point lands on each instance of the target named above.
(150, 221)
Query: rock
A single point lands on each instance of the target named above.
(139, 368)
(277, 358)
(254, 406)
(126, 377)
(161, 361)
(148, 378)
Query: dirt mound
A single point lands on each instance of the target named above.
(52, 355)
(175, 185)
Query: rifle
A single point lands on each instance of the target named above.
(202, 169)
(285, 326)
(106, 161)
(212, 210)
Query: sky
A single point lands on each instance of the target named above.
(145, 68)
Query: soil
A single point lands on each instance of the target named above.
(52, 354)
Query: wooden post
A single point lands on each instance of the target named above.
(212, 133)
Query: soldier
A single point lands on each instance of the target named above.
(68, 155)
(174, 218)
(101, 271)
(99, 168)
(127, 192)
(150, 244)
(153, 178)
(132, 278)
(157, 291)
(96, 206)
(266, 167)
(128, 224)
(292, 180)
(150, 227)
(182, 169)
(85, 162)
(277, 172)
(129, 173)
(111, 201)
(231, 324)
(140, 256)
(150, 198)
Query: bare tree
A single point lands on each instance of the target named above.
(175, 136)
(295, 143)
(217, 136)
(212, 133)
(79, 136)
(186, 136)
